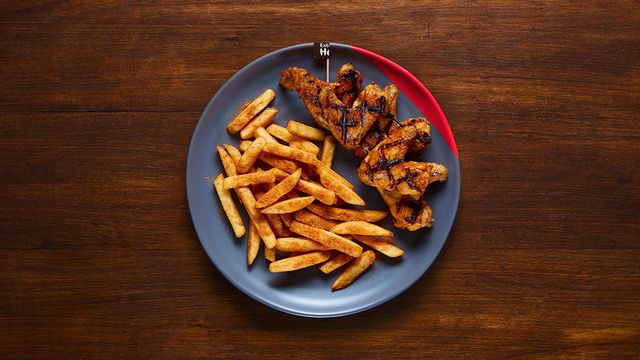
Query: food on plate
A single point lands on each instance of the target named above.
(300, 261)
(262, 120)
(237, 181)
(294, 199)
(250, 155)
(328, 149)
(253, 243)
(341, 214)
(360, 228)
(383, 247)
(335, 262)
(250, 111)
(284, 187)
(355, 269)
(367, 124)
(298, 244)
(305, 131)
(289, 205)
(229, 207)
(326, 238)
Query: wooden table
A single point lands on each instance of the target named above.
(98, 256)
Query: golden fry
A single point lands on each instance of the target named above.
(237, 181)
(387, 239)
(305, 131)
(261, 120)
(357, 267)
(229, 207)
(234, 153)
(300, 261)
(298, 244)
(328, 149)
(286, 219)
(253, 243)
(325, 171)
(360, 228)
(326, 238)
(285, 165)
(309, 218)
(250, 111)
(283, 134)
(335, 262)
(289, 205)
(277, 225)
(227, 162)
(250, 155)
(270, 254)
(382, 246)
(244, 145)
(261, 132)
(314, 189)
(289, 153)
(337, 184)
(341, 214)
(303, 145)
(264, 229)
(279, 190)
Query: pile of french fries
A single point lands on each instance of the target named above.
(294, 199)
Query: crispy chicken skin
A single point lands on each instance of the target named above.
(340, 107)
(385, 168)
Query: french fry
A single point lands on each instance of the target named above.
(318, 191)
(270, 254)
(357, 267)
(243, 145)
(308, 187)
(253, 243)
(250, 155)
(229, 207)
(227, 162)
(360, 228)
(341, 214)
(301, 145)
(234, 153)
(297, 244)
(381, 246)
(283, 134)
(277, 225)
(285, 165)
(289, 205)
(261, 120)
(248, 200)
(286, 219)
(335, 262)
(336, 183)
(261, 132)
(328, 149)
(387, 239)
(309, 218)
(290, 153)
(305, 131)
(326, 238)
(278, 191)
(300, 261)
(324, 171)
(250, 111)
(237, 181)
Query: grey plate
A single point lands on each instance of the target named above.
(308, 292)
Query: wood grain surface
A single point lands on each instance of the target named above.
(98, 256)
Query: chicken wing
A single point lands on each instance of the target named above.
(385, 168)
(330, 104)
(407, 214)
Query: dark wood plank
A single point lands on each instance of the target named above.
(98, 258)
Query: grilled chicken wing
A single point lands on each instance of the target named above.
(330, 104)
(385, 168)
(407, 214)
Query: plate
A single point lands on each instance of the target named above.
(308, 292)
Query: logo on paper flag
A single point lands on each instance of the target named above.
(321, 50)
